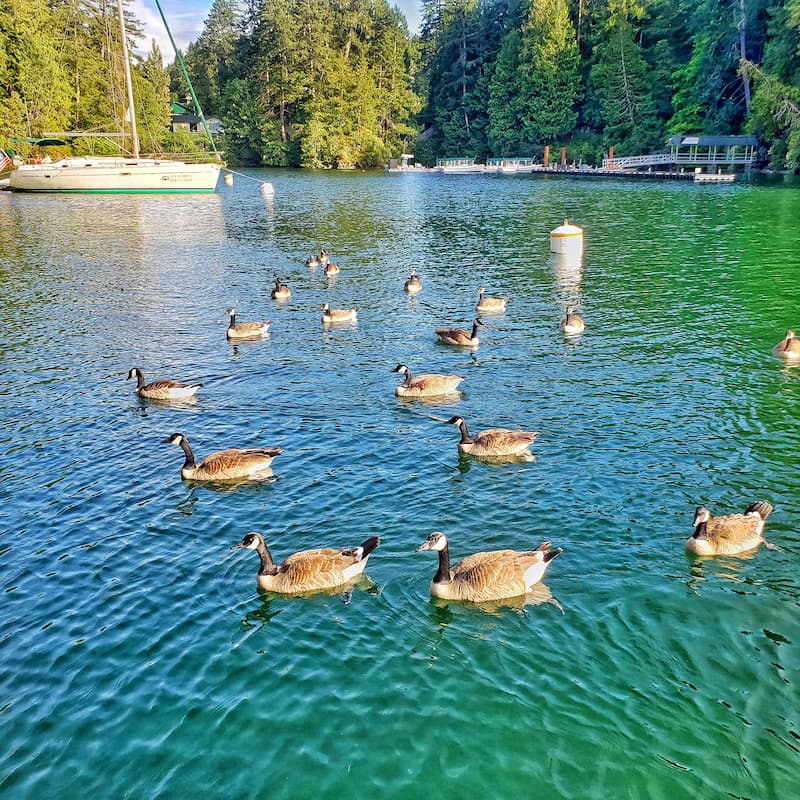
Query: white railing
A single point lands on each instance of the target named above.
(654, 159)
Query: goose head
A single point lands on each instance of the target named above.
(134, 372)
(231, 312)
(326, 307)
(701, 514)
(176, 439)
(436, 541)
(402, 369)
(456, 420)
(252, 541)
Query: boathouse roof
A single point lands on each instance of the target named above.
(713, 141)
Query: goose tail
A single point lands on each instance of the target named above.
(762, 508)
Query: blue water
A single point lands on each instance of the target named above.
(138, 659)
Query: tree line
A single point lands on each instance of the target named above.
(342, 83)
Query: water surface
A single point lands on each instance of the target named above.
(137, 658)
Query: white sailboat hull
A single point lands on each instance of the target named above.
(115, 176)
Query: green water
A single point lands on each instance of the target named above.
(137, 658)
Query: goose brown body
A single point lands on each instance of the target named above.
(246, 330)
(312, 261)
(492, 575)
(460, 337)
(788, 348)
(413, 285)
(281, 290)
(429, 385)
(728, 535)
(331, 269)
(322, 258)
(224, 465)
(493, 441)
(489, 304)
(309, 570)
(164, 389)
(573, 322)
(339, 314)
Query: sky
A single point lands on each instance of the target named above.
(186, 18)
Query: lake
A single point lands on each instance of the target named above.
(137, 657)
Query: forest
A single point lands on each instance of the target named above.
(344, 84)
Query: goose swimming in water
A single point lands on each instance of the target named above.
(164, 389)
(309, 570)
(788, 348)
(493, 441)
(490, 304)
(413, 285)
(460, 337)
(312, 261)
(331, 269)
(735, 533)
(322, 258)
(492, 575)
(281, 290)
(572, 322)
(224, 465)
(429, 385)
(330, 315)
(246, 330)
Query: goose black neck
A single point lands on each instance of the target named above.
(267, 564)
(443, 573)
(233, 321)
(474, 330)
(187, 452)
(407, 381)
(139, 380)
(465, 437)
(700, 530)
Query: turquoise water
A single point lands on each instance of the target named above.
(137, 658)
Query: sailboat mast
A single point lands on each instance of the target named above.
(128, 83)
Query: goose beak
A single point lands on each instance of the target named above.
(166, 441)
(423, 546)
(236, 546)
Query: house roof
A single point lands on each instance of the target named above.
(713, 141)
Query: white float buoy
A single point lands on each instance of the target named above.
(228, 179)
(267, 190)
(566, 238)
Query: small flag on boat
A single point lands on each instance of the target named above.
(5, 161)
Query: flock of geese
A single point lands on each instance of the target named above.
(480, 577)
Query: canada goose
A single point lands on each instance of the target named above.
(425, 385)
(788, 348)
(163, 389)
(312, 261)
(413, 284)
(572, 322)
(735, 533)
(308, 570)
(490, 303)
(246, 330)
(281, 290)
(323, 258)
(224, 465)
(460, 337)
(494, 441)
(331, 269)
(487, 576)
(338, 314)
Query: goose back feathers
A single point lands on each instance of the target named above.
(728, 535)
(492, 575)
(224, 465)
(309, 570)
(164, 389)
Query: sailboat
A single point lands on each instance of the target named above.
(119, 174)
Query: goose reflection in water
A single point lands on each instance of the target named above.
(538, 595)
(727, 568)
(265, 477)
(465, 462)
